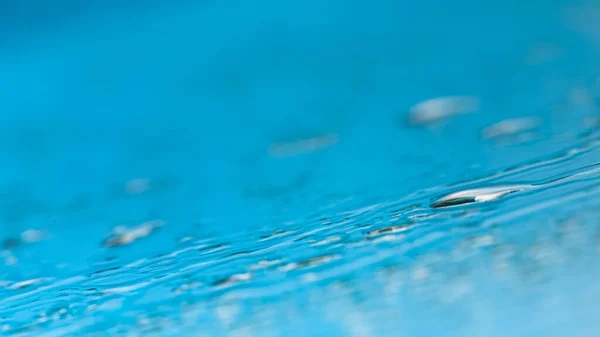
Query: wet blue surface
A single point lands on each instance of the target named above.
(262, 159)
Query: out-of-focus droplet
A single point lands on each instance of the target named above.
(310, 262)
(186, 239)
(420, 273)
(10, 260)
(511, 127)
(437, 109)
(230, 280)
(32, 235)
(187, 286)
(26, 283)
(122, 235)
(228, 312)
(276, 234)
(477, 195)
(580, 97)
(137, 186)
(388, 230)
(326, 241)
(110, 305)
(264, 264)
(287, 149)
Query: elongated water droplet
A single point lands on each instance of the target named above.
(310, 262)
(436, 109)
(287, 149)
(511, 127)
(476, 195)
(388, 230)
(122, 235)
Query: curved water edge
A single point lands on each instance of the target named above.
(405, 247)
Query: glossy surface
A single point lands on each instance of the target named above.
(303, 168)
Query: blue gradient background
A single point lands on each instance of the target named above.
(191, 94)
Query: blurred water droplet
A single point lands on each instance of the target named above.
(137, 186)
(293, 148)
(511, 127)
(437, 109)
(110, 305)
(388, 230)
(326, 241)
(27, 283)
(124, 236)
(312, 262)
(32, 235)
(233, 279)
(580, 97)
(265, 264)
(186, 287)
(10, 259)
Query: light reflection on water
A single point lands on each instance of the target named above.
(240, 170)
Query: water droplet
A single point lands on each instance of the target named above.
(124, 236)
(437, 109)
(125, 289)
(27, 283)
(326, 241)
(310, 262)
(186, 239)
(137, 186)
(420, 273)
(32, 235)
(187, 286)
(265, 264)
(478, 195)
(110, 305)
(10, 260)
(287, 149)
(276, 234)
(388, 230)
(233, 279)
(511, 127)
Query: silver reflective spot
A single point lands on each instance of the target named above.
(477, 195)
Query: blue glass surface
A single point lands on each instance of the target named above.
(268, 168)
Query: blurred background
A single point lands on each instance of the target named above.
(303, 168)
